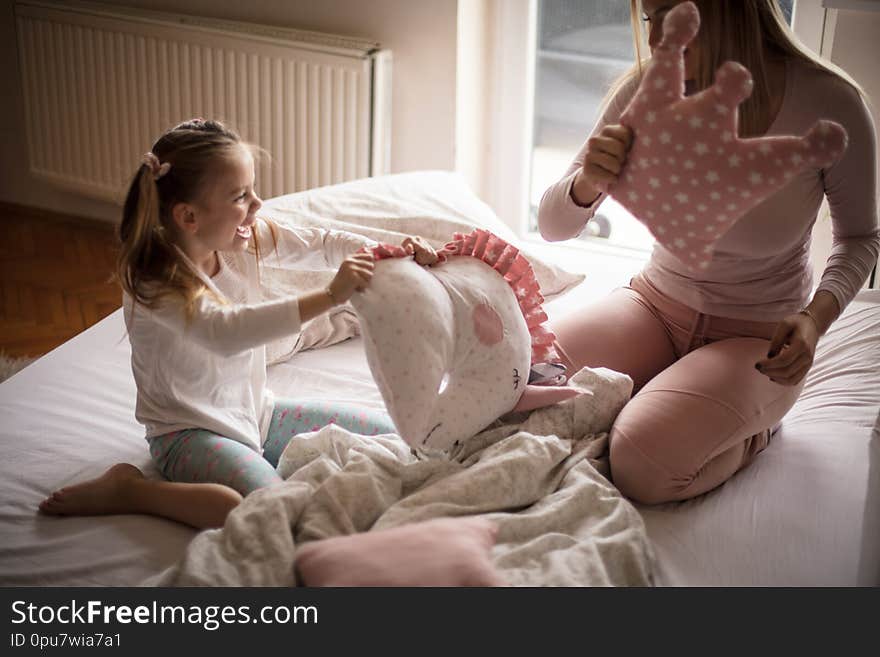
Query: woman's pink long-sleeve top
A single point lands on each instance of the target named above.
(761, 269)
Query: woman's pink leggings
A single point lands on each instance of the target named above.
(701, 410)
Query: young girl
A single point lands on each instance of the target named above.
(189, 268)
(719, 358)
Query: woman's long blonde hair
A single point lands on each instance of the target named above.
(740, 31)
(149, 266)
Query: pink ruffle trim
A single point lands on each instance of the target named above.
(511, 265)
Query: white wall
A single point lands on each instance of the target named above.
(422, 35)
(496, 55)
(475, 86)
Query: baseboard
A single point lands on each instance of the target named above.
(16, 212)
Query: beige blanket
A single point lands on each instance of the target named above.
(541, 480)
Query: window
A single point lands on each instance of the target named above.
(582, 47)
(786, 6)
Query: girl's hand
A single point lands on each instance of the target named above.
(424, 253)
(791, 350)
(354, 273)
(606, 155)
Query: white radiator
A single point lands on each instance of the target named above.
(102, 83)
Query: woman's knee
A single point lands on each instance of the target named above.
(637, 476)
(651, 479)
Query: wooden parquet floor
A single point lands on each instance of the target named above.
(56, 278)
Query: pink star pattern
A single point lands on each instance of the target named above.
(689, 178)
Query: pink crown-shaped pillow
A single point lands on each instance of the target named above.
(688, 176)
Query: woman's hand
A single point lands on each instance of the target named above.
(354, 273)
(423, 252)
(791, 350)
(606, 155)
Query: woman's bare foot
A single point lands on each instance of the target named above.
(100, 496)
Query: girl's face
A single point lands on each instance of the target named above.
(653, 12)
(226, 212)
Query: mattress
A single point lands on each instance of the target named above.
(805, 513)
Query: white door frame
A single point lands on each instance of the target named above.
(511, 111)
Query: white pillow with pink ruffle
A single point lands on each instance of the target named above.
(450, 346)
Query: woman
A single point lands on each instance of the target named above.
(718, 358)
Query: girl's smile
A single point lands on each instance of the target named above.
(223, 218)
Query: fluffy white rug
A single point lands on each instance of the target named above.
(10, 365)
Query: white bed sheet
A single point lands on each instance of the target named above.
(66, 418)
(807, 512)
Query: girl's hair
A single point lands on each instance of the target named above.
(738, 31)
(149, 266)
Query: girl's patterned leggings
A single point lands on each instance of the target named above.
(200, 456)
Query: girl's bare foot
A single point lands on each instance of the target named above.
(100, 496)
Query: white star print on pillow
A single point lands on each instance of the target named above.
(722, 177)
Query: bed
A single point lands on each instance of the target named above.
(806, 513)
